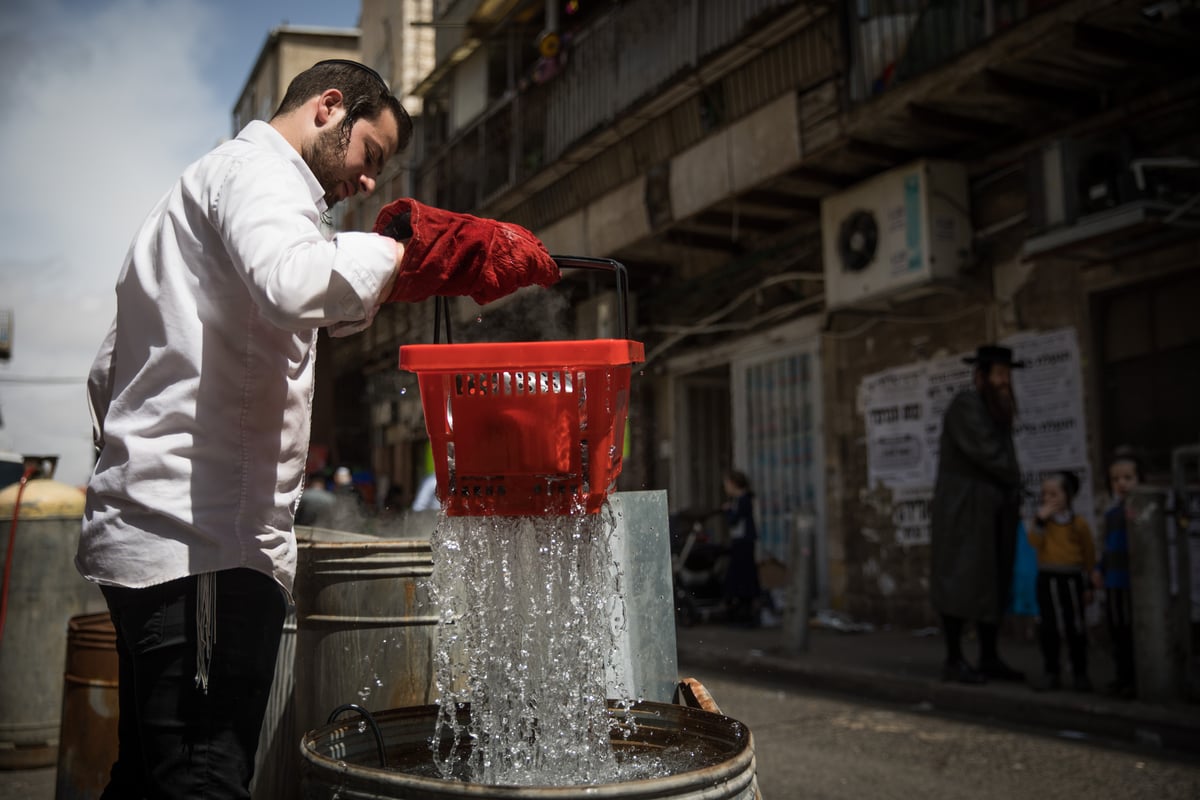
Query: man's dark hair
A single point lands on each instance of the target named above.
(365, 95)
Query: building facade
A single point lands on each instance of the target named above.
(815, 200)
(288, 51)
(370, 422)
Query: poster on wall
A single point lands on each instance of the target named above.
(903, 409)
(897, 450)
(1050, 433)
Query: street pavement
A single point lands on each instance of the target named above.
(891, 666)
(812, 745)
(904, 666)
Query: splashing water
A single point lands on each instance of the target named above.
(530, 610)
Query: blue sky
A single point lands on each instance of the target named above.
(108, 101)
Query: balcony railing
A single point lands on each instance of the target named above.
(892, 41)
(525, 130)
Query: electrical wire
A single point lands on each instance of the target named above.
(705, 323)
(870, 323)
(40, 379)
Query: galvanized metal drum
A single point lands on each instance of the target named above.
(44, 593)
(365, 628)
(341, 760)
(88, 745)
(278, 741)
(365, 633)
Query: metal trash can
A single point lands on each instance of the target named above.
(44, 592)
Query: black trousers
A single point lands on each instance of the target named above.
(1060, 604)
(175, 739)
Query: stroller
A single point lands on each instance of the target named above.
(698, 564)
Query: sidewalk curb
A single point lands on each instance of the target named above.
(1068, 714)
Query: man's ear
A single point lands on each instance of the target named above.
(327, 105)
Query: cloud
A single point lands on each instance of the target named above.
(108, 103)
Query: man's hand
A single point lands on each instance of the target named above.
(445, 253)
(1047, 510)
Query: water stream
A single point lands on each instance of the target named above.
(530, 611)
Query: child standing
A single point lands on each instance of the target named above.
(1066, 553)
(1112, 572)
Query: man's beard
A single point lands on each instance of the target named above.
(1000, 403)
(326, 157)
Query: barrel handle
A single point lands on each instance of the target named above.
(370, 721)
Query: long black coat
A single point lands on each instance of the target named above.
(976, 503)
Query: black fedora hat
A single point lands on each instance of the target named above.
(994, 354)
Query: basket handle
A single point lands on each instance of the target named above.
(609, 265)
(441, 316)
(441, 309)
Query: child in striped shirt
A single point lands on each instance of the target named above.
(1066, 554)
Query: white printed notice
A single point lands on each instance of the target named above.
(904, 408)
(896, 417)
(1050, 433)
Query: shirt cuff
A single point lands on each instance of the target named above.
(367, 261)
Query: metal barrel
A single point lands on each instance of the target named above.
(276, 757)
(365, 632)
(1160, 609)
(88, 744)
(342, 761)
(44, 592)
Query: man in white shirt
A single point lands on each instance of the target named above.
(201, 397)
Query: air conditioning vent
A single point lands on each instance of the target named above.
(858, 238)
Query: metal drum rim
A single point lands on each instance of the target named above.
(735, 773)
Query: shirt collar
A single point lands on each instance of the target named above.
(262, 134)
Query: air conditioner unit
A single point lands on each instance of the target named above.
(1094, 199)
(1073, 178)
(898, 231)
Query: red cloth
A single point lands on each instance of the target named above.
(458, 254)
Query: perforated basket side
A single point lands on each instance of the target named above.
(517, 441)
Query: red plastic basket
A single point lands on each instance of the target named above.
(526, 428)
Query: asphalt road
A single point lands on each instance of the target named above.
(812, 746)
(818, 747)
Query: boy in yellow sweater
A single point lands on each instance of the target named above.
(1065, 551)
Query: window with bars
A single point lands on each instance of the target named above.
(777, 432)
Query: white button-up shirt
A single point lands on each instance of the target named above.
(202, 390)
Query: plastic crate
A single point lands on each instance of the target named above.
(526, 428)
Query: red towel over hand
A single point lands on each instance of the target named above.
(458, 254)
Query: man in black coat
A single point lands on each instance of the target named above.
(976, 505)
